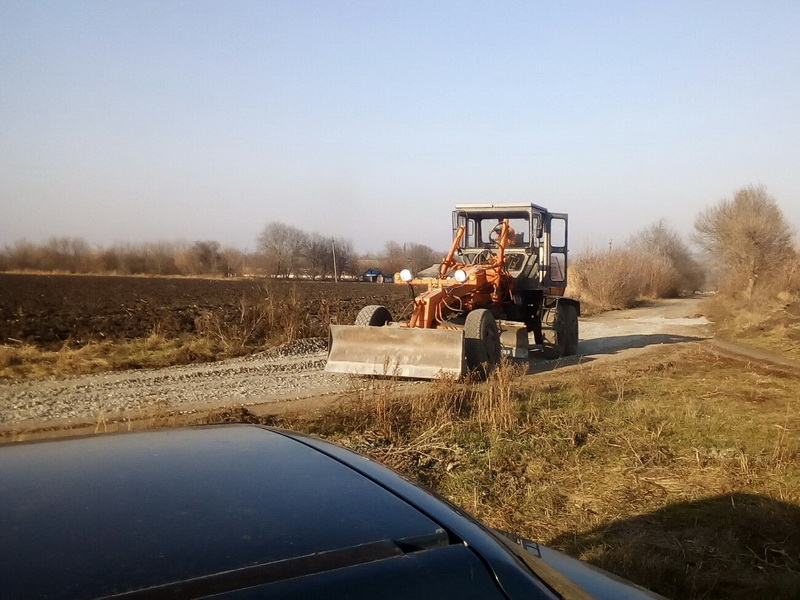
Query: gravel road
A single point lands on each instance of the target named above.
(286, 373)
(283, 376)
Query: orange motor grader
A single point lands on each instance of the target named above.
(502, 281)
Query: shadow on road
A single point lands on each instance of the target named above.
(731, 546)
(590, 350)
(612, 345)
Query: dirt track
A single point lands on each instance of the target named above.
(291, 378)
(623, 333)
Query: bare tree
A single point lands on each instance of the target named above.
(207, 257)
(393, 258)
(282, 245)
(283, 250)
(131, 259)
(407, 256)
(201, 258)
(108, 260)
(160, 258)
(75, 255)
(233, 262)
(67, 254)
(346, 257)
(748, 239)
(319, 255)
(679, 271)
(421, 257)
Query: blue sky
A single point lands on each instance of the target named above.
(139, 121)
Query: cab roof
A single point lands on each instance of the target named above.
(495, 207)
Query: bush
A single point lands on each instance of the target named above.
(657, 264)
(660, 279)
(607, 280)
(792, 272)
(673, 269)
(750, 243)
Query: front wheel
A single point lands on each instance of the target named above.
(373, 315)
(481, 342)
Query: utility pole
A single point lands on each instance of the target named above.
(333, 248)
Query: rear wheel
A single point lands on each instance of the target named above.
(571, 322)
(481, 342)
(373, 315)
(560, 331)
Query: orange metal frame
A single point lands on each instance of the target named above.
(488, 285)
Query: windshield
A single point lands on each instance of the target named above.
(483, 230)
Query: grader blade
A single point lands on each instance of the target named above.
(396, 351)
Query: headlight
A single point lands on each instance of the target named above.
(406, 275)
(460, 275)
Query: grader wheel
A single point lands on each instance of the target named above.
(481, 342)
(373, 315)
(560, 331)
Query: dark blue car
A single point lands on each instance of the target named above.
(244, 512)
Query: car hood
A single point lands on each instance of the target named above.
(109, 514)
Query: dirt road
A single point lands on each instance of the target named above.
(291, 377)
(622, 333)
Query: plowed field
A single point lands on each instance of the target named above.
(51, 310)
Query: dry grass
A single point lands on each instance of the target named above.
(28, 362)
(615, 279)
(269, 321)
(275, 319)
(679, 471)
(606, 280)
(767, 316)
(766, 321)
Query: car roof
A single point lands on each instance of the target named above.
(221, 509)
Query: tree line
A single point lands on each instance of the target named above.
(281, 251)
(76, 255)
(748, 247)
(288, 250)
